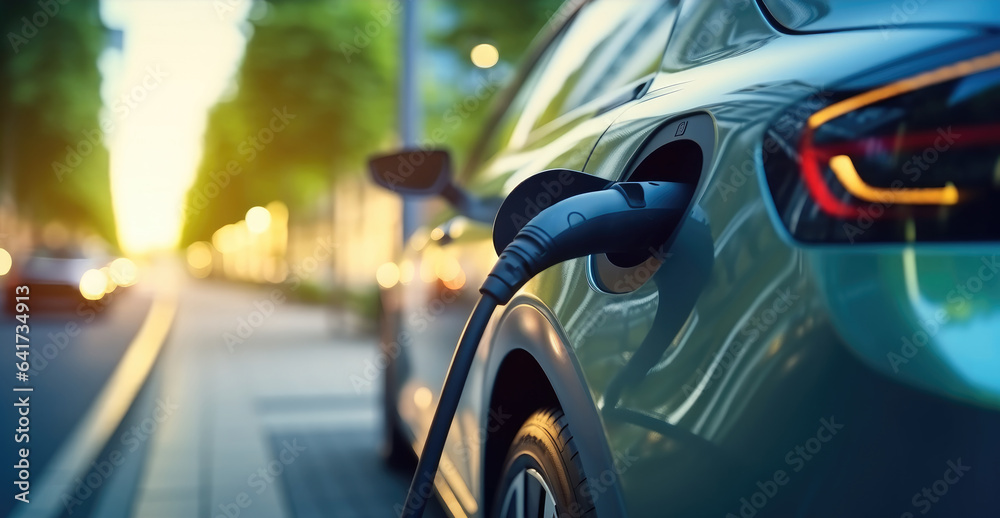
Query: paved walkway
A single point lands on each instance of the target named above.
(264, 420)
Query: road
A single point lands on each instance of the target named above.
(72, 354)
(250, 410)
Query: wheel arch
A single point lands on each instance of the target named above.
(531, 366)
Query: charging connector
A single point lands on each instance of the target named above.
(626, 217)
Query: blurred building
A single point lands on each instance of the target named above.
(366, 224)
(335, 247)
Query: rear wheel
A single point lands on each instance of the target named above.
(542, 476)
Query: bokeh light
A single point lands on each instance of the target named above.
(258, 220)
(5, 261)
(455, 283)
(111, 284)
(199, 256)
(447, 268)
(222, 239)
(485, 55)
(422, 397)
(123, 271)
(92, 284)
(387, 275)
(406, 271)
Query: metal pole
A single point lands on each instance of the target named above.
(409, 105)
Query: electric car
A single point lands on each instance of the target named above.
(820, 337)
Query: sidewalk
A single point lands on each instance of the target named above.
(267, 424)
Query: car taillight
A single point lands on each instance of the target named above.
(916, 159)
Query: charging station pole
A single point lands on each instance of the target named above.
(409, 106)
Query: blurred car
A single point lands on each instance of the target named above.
(55, 279)
(820, 340)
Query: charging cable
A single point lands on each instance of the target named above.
(626, 217)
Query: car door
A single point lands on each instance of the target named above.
(706, 362)
(573, 92)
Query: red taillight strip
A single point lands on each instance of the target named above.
(813, 179)
(961, 136)
(808, 155)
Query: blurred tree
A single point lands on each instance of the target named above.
(457, 105)
(314, 94)
(509, 26)
(53, 161)
(331, 65)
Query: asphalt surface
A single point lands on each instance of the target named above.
(72, 354)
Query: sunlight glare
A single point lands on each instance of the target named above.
(177, 58)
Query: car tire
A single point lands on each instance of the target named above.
(542, 473)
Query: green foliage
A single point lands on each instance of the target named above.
(333, 64)
(510, 26)
(50, 98)
(456, 107)
(329, 65)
